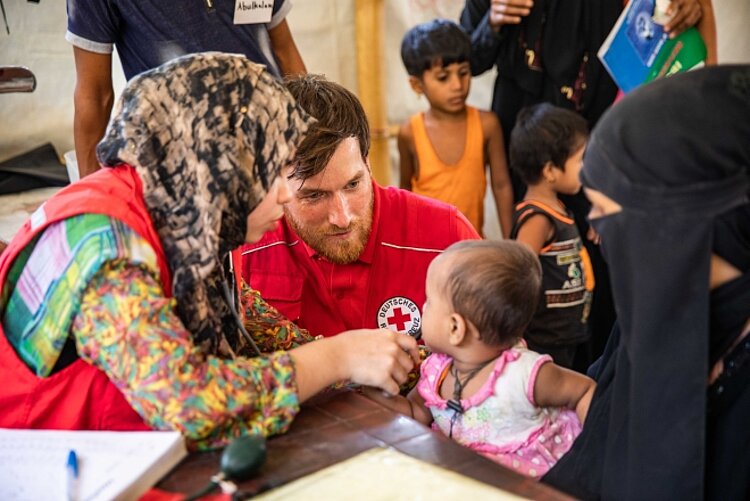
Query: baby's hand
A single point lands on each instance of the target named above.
(396, 403)
(379, 396)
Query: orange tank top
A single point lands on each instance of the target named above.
(462, 184)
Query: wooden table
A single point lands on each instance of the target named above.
(336, 426)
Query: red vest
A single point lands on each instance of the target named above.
(79, 397)
(408, 232)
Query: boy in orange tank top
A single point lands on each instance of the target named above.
(445, 150)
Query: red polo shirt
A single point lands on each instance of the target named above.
(383, 288)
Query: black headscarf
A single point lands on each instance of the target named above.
(208, 134)
(675, 155)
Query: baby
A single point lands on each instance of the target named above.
(481, 386)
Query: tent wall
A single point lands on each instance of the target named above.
(323, 29)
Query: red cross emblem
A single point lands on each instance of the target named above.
(400, 314)
(398, 319)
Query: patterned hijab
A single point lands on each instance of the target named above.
(207, 134)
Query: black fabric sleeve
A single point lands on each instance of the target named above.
(485, 43)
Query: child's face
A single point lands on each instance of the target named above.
(437, 308)
(569, 183)
(446, 87)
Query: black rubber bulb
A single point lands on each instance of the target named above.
(243, 457)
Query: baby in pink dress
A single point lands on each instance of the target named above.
(481, 386)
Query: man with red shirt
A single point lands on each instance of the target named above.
(349, 253)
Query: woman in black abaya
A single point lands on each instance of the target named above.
(668, 173)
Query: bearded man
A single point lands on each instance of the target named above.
(348, 253)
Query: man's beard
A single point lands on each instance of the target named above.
(335, 250)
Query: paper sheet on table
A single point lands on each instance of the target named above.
(386, 474)
(112, 465)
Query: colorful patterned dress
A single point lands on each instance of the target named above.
(91, 284)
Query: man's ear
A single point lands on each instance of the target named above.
(416, 85)
(458, 329)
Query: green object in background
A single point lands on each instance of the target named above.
(678, 54)
(243, 457)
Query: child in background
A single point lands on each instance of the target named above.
(546, 149)
(481, 386)
(444, 151)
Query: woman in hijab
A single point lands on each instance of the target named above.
(667, 172)
(115, 310)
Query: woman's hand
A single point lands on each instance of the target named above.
(378, 357)
(508, 12)
(372, 357)
(683, 14)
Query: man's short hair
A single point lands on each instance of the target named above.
(544, 133)
(495, 285)
(340, 116)
(435, 43)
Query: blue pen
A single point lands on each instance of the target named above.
(72, 468)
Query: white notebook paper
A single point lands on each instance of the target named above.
(112, 465)
(387, 474)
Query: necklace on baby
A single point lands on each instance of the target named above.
(458, 388)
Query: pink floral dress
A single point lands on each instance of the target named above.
(501, 420)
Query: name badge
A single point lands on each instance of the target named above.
(253, 11)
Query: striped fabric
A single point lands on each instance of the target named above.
(46, 282)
